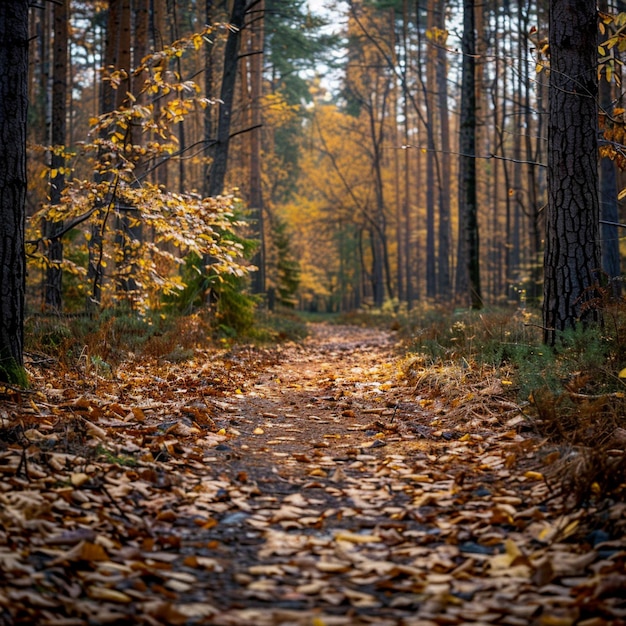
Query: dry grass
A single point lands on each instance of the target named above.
(571, 400)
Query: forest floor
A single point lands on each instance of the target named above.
(310, 484)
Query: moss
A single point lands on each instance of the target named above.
(13, 373)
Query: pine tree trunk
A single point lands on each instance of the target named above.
(445, 184)
(609, 209)
(227, 93)
(208, 91)
(431, 158)
(95, 270)
(13, 111)
(469, 257)
(53, 288)
(256, 190)
(572, 255)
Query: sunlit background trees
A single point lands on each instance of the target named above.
(358, 154)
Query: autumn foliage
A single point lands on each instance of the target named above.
(126, 237)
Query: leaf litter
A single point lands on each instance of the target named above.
(311, 484)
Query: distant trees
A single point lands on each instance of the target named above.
(419, 139)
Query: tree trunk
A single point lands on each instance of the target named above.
(397, 178)
(469, 257)
(445, 184)
(609, 208)
(53, 288)
(13, 111)
(217, 175)
(431, 156)
(95, 271)
(572, 255)
(158, 30)
(172, 11)
(534, 144)
(256, 190)
(408, 178)
(131, 228)
(123, 61)
(208, 91)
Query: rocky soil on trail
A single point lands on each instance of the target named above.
(314, 484)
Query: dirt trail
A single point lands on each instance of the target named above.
(311, 486)
(330, 396)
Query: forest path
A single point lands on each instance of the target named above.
(310, 485)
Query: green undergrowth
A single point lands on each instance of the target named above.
(13, 373)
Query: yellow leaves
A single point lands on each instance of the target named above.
(276, 111)
(118, 137)
(79, 478)
(513, 562)
(437, 35)
(177, 109)
(108, 595)
(622, 373)
(181, 224)
(55, 172)
(197, 40)
(533, 475)
(356, 538)
(605, 18)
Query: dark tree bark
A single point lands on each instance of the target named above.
(13, 110)
(209, 67)
(172, 11)
(431, 158)
(468, 276)
(609, 209)
(572, 255)
(445, 184)
(53, 288)
(256, 190)
(217, 175)
(95, 270)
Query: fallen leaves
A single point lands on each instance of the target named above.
(315, 490)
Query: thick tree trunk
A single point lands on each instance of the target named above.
(572, 255)
(13, 110)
